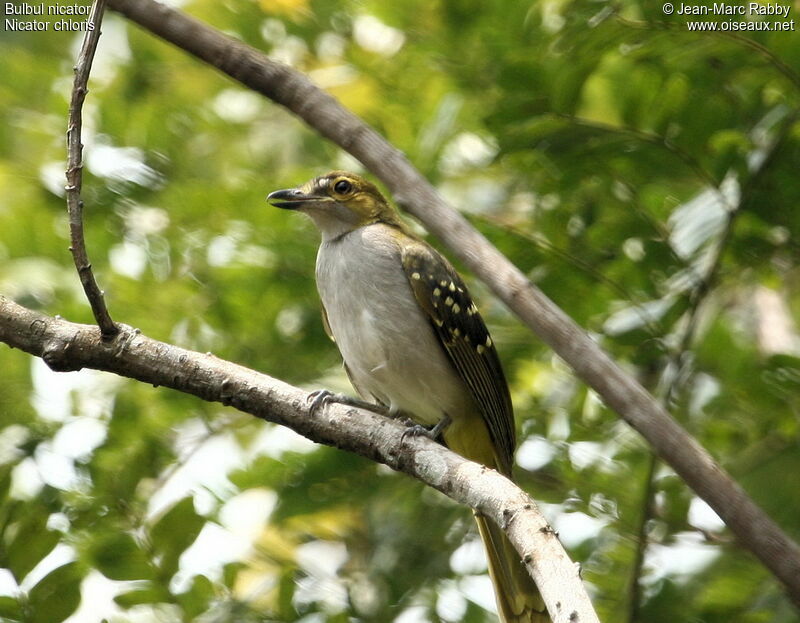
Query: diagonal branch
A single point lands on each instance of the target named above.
(75, 173)
(68, 346)
(753, 528)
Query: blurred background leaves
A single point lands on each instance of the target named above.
(644, 176)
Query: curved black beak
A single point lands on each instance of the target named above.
(291, 198)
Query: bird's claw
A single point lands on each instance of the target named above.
(319, 399)
(417, 430)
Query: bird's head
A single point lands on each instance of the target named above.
(338, 202)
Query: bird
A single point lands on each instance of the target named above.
(415, 345)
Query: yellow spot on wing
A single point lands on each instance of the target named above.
(456, 308)
(448, 301)
(415, 276)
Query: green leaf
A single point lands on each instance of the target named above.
(151, 594)
(31, 543)
(57, 595)
(10, 609)
(118, 556)
(5, 481)
(195, 600)
(230, 573)
(174, 532)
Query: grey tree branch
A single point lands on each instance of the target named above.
(752, 527)
(77, 247)
(68, 346)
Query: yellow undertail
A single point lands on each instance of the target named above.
(518, 599)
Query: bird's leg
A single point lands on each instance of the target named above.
(418, 430)
(321, 397)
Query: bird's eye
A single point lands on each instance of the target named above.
(342, 187)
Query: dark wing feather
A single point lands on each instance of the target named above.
(462, 333)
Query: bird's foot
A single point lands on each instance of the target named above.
(322, 397)
(417, 430)
(318, 399)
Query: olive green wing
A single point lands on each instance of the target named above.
(441, 293)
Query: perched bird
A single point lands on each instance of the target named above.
(413, 341)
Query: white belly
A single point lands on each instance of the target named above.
(385, 339)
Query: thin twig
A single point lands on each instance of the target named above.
(618, 389)
(75, 173)
(634, 584)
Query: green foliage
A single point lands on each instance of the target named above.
(29, 541)
(644, 176)
(57, 595)
(173, 533)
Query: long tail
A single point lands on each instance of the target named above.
(518, 599)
